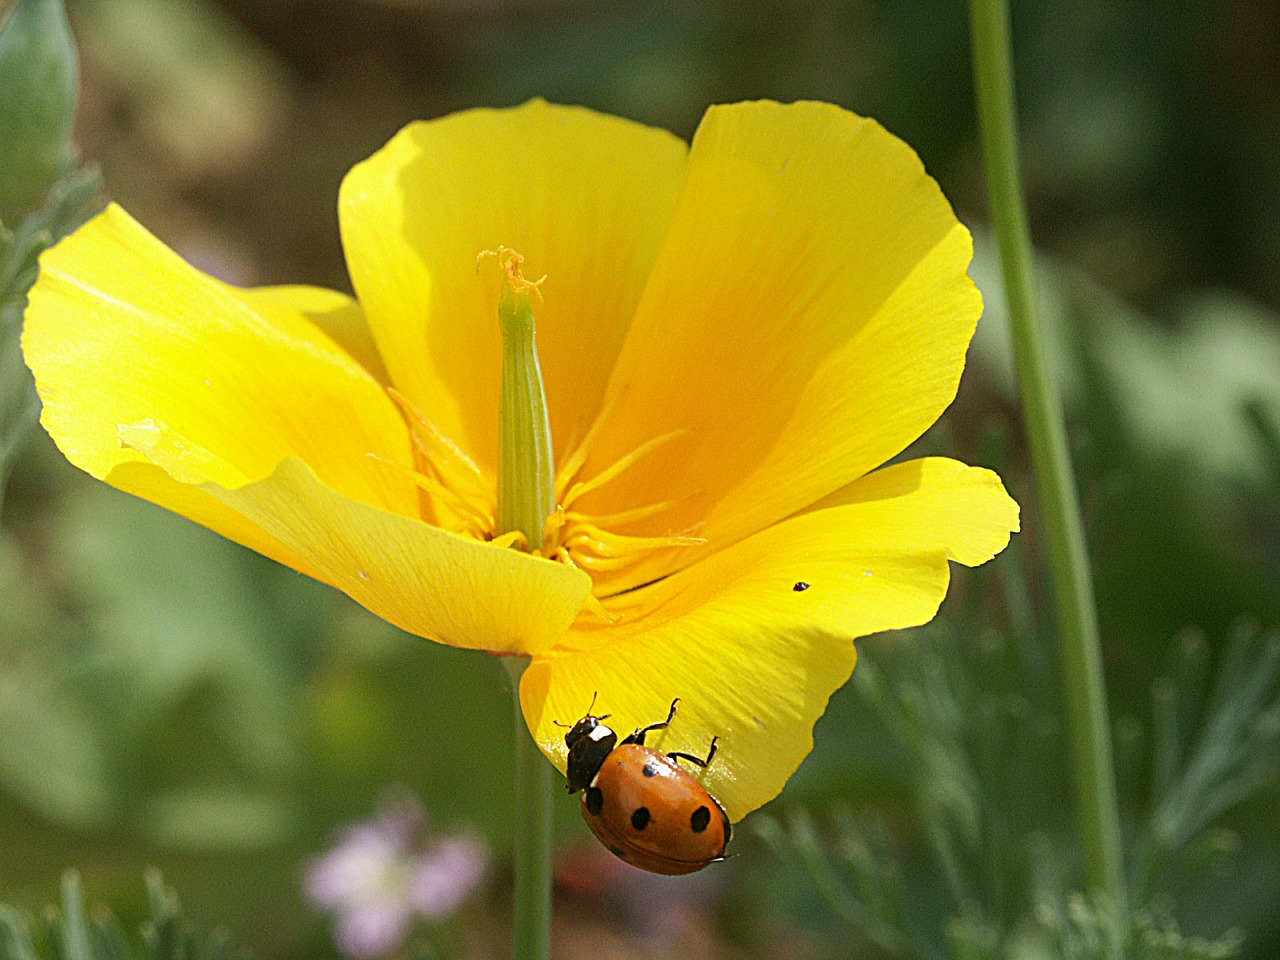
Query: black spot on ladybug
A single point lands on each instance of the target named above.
(595, 801)
(640, 819)
(699, 820)
(618, 852)
(650, 769)
(800, 586)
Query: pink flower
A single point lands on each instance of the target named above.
(388, 872)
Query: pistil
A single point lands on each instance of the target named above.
(526, 469)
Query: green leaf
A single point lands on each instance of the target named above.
(18, 407)
(70, 935)
(15, 937)
(74, 937)
(109, 939)
(40, 77)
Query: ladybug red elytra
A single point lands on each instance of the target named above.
(640, 803)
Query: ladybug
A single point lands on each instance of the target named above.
(640, 803)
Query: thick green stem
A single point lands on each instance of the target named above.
(1094, 773)
(532, 829)
(526, 468)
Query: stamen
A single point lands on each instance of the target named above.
(473, 520)
(606, 544)
(437, 445)
(576, 460)
(511, 539)
(623, 517)
(591, 604)
(581, 539)
(456, 493)
(555, 523)
(618, 467)
(598, 564)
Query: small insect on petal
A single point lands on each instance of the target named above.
(641, 804)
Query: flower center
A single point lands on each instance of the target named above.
(533, 506)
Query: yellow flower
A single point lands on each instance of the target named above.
(734, 336)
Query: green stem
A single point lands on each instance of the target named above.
(1094, 772)
(532, 827)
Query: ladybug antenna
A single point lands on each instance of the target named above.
(603, 716)
(570, 726)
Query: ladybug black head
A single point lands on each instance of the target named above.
(589, 742)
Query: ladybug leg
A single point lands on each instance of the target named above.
(639, 735)
(698, 760)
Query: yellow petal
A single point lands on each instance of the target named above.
(584, 197)
(120, 332)
(932, 503)
(150, 482)
(438, 585)
(335, 313)
(752, 659)
(452, 589)
(807, 318)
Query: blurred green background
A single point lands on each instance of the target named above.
(168, 699)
